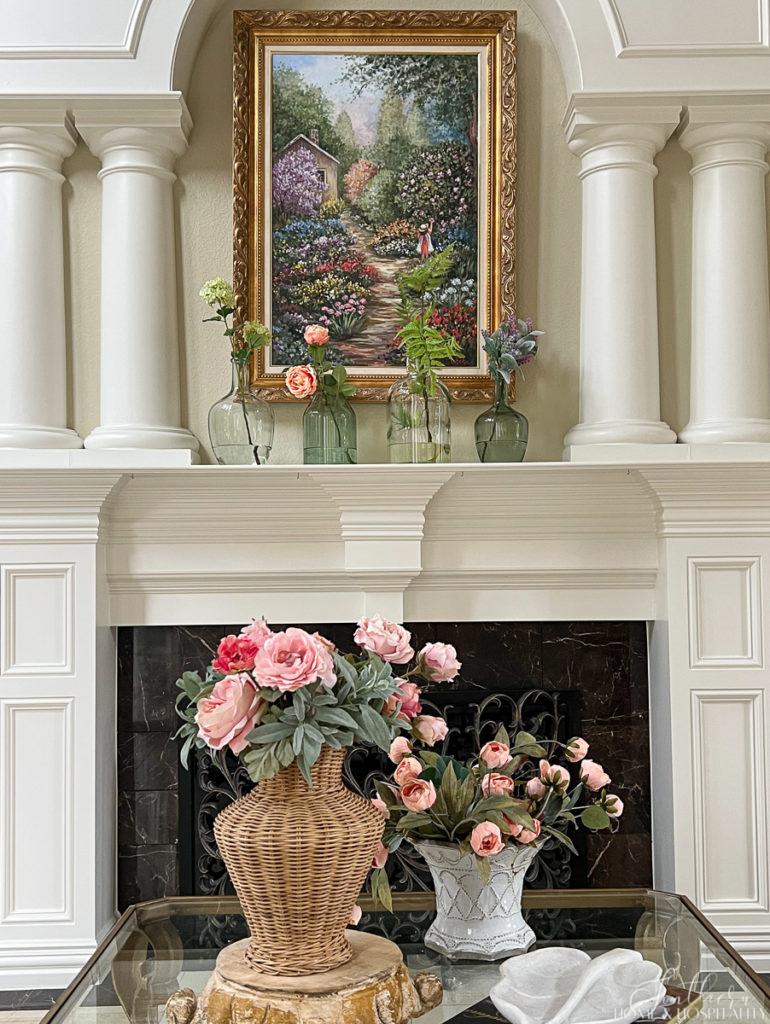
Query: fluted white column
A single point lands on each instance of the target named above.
(730, 349)
(140, 400)
(619, 371)
(34, 140)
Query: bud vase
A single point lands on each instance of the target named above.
(329, 431)
(419, 425)
(241, 425)
(477, 920)
(501, 431)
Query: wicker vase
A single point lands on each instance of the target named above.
(298, 857)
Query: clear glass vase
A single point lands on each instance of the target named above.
(241, 425)
(329, 432)
(501, 432)
(419, 426)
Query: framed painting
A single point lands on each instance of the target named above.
(364, 141)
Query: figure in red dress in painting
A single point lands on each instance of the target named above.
(424, 242)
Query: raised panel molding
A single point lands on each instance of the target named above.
(36, 811)
(37, 617)
(729, 802)
(126, 47)
(725, 612)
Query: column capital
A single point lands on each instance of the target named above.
(744, 128)
(158, 126)
(593, 121)
(36, 136)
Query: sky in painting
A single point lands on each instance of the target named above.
(325, 70)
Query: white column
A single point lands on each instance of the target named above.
(33, 381)
(730, 350)
(619, 375)
(140, 403)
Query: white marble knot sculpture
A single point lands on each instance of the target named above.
(565, 986)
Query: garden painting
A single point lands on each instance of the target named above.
(374, 167)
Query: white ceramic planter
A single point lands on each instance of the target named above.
(475, 921)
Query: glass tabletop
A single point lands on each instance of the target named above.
(159, 947)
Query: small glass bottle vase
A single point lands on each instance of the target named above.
(329, 432)
(241, 425)
(501, 432)
(419, 426)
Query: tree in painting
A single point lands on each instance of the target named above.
(374, 168)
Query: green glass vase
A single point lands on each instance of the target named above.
(241, 425)
(419, 423)
(329, 432)
(501, 431)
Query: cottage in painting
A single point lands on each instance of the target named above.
(328, 165)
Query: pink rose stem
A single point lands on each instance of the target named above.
(316, 354)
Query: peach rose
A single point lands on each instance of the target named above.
(406, 700)
(229, 713)
(553, 775)
(408, 768)
(439, 662)
(301, 381)
(418, 795)
(429, 729)
(528, 835)
(380, 856)
(486, 839)
(293, 659)
(494, 784)
(386, 639)
(355, 915)
(593, 776)
(536, 789)
(495, 755)
(613, 805)
(380, 806)
(399, 749)
(577, 748)
(235, 654)
(315, 334)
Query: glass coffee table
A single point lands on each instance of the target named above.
(157, 948)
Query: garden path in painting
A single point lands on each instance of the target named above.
(368, 150)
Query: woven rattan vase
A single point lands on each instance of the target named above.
(298, 857)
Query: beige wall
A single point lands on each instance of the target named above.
(548, 247)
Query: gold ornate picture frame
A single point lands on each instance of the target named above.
(346, 137)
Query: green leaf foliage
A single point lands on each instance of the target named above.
(595, 817)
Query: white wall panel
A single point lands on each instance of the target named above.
(725, 622)
(36, 776)
(36, 610)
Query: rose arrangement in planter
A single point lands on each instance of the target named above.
(329, 423)
(288, 704)
(480, 824)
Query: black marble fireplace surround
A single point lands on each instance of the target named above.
(592, 675)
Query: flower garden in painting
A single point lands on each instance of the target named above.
(374, 166)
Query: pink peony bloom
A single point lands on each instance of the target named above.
(235, 654)
(386, 639)
(536, 789)
(355, 915)
(381, 806)
(407, 769)
(486, 839)
(293, 659)
(301, 381)
(418, 795)
(380, 856)
(613, 805)
(229, 713)
(399, 749)
(528, 835)
(316, 335)
(494, 784)
(495, 755)
(577, 748)
(258, 631)
(429, 729)
(593, 776)
(553, 775)
(439, 662)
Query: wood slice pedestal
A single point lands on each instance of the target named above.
(374, 987)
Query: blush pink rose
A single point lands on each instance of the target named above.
(399, 749)
(593, 776)
(258, 631)
(301, 381)
(528, 835)
(536, 789)
(386, 639)
(406, 700)
(494, 784)
(235, 654)
(613, 805)
(486, 839)
(355, 915)
(315, 334)
(577, 748)
(439, 662)
(380, 806)
(229, 713)
(418, 795)
(495, 755)
(408, 768)
(429, 729)
(553, 775)
(380, 856)
(293, 659)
